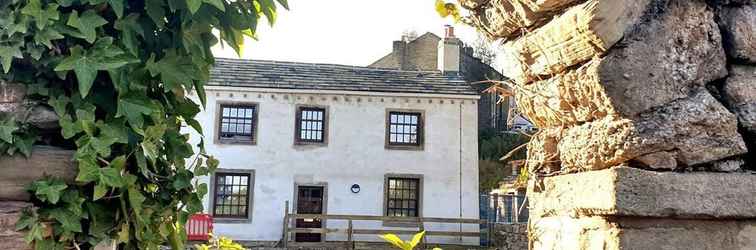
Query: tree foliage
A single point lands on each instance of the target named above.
(118, 74)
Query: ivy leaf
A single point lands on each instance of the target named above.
(156, 11)
(135, 200)
(133, 107)
(7, 127)
(117, 7)
(86, 64)
(217, 4)
(27, 220)
(284, 3)
(35, 233)
(69, 128)
(174, 70)
(99, 191)
(89, 171)
(48, 190)
(24, 143)
(182, 180)
(193, 5)
(41, 16)
(45, 37)
(269, 10)
(67, 219)
(87, 23)
(111, 177)
(7, 53)
(130, 28)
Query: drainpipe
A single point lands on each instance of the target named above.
(460, 167)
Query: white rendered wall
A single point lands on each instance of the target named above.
(355, 153)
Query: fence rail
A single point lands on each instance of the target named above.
(350, 231)
(504, 208)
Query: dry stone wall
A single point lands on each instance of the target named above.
(647, 117)
(510, 236)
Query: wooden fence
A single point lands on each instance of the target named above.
(417, 223)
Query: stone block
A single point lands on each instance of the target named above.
(694, 130)
(506, 18)
(661, 60)
(738, 25)
(739, 93)
(19, 171)
(10, 212)
(625, 191)
(602, 233)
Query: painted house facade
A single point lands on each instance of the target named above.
(336, 139)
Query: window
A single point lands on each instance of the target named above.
(404, 129)
(402, 197)
(238, 123)
(232, 195)
(311, 125)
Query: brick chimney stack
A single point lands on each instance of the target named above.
(449, 52)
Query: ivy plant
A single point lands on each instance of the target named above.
(121, 76)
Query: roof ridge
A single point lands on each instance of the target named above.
(244, 60)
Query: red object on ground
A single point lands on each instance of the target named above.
(199, 227)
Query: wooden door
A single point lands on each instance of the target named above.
(309, 201)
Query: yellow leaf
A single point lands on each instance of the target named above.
(441, 8)
(416, 239)
(396, 241)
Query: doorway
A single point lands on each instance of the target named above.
(309, 201)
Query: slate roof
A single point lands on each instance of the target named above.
(312, 76)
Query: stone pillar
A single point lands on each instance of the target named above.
(647, 117)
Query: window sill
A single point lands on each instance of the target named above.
(223, 220)
(235, 142)
(306, 144)
(405, 147)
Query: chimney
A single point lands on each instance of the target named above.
(448, 52)
(400, 53)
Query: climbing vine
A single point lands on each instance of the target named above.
(118, 73)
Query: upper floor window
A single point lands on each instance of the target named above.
(311, 125)
(404, 129)
(231, 196)
(238, 123)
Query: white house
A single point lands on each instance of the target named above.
(336, 139)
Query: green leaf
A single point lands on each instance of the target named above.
(181, 181)
(86, 64)
(284, 3)
(268, 8)
(7, 127)
(35, 233)
(136, 199)
(133, 107)
(24, 143)
(69, 128)
(48, 190)
(45, 37)
(27, 220)
(87, 23)
(123, 234)
(67, 219)
(117, 7)
(7, 53)
(111, 177)
(175, 70)
(156, 11)
(99, 191)
(193, 5)
(89, 171)
(41, 16)
(130, 28)
(216, 3)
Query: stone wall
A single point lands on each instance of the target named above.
(647, 110)
(10, 212)
(510, 236)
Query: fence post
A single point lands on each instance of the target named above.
(349, 235)
(285, 237)
(515, 209)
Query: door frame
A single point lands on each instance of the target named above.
(324, 211)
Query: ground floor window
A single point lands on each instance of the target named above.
(231, 196)
(402, 196)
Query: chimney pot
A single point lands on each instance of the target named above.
(448, 31)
